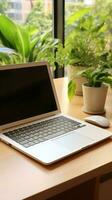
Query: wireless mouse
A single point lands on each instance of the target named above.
(98, 121)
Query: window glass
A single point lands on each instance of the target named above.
(88, 31)
(75, 38)
(34, 12)
(26, 27)
(15, 5)
(73, 6)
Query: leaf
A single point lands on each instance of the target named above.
(33, 42)
(73, 18)
(25, 40)
(98, 27)
(6, 58)
(32, 30)
(4, 41)
(71, 89)
(108, 80)
(14, 36)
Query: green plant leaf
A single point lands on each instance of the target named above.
(71, 89)
(6, 58)
(98, 27)
(24, 38)
(108, 80)
(14, 35)
(78, 15)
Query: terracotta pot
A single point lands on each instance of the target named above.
(94, 99)
(72, 72)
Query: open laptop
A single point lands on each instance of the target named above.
(30, 116)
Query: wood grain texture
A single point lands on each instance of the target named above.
(24, 178)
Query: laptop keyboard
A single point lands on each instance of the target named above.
(33, 134)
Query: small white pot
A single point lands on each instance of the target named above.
(72, 72)
(94, 99)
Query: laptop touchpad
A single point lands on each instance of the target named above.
(73, 141)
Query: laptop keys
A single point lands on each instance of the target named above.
(42, 131)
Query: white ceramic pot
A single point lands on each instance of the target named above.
(94, 99)
(72, 72)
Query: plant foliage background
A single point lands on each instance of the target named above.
(88, 35)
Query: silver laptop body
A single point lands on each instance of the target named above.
(27, 99)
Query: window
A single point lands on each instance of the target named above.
(15, 5)
(16, 16)
(28, 11)
(31, 27)
(72, 6)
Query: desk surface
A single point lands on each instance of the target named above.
(22, 177)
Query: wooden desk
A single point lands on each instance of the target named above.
(22, 177)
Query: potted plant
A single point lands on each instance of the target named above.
(83, 45)
(95, 89)
(81, 56)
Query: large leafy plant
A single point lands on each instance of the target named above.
(25, 43)
(89, 44)
(89, 33)
(81, 50)
(85, 40)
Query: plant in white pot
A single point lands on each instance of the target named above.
(81, 56)
(95, 90)
(83, 45)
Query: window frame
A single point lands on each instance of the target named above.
(59, 28)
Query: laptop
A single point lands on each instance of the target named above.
(30, 116)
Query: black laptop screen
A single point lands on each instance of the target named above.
(24, 93)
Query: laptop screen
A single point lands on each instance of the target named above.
(24, 93)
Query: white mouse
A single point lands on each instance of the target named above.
(98, 121)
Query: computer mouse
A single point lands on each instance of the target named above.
(98, 121)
